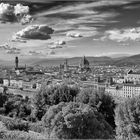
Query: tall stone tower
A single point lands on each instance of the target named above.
(16, 62)
(66, 67)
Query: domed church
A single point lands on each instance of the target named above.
(84, 64)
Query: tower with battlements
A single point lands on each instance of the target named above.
(16, 62)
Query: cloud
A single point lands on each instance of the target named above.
(55, 46)
(74, 34)
(41, 32)
(82, 6)
(17, 13)
(96, 39)
(10, 50)
(21, 10)
(59, 42)
(19, 40)
(51, 52)
(5, 46)
(34, 53)
(124, 44)
(26, 19)
(13, 51)
(121, 35)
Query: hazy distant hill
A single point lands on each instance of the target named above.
(73, 61)
(132, 60)
(121, 61)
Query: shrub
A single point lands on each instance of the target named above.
(52, 95)
(76, 121)
(16, 125)
(21, 135)
(100, 100)
(37, 127)
(127, 119)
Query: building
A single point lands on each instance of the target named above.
(13, 83)
(84, 64)
(66, 66)
(131, 90)
(133, 77)
(92, 84)
(115, 90)
(17, 67)
(126, 90)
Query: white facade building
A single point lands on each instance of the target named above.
(132, 77)
(131, 90)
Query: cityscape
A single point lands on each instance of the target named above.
(120, 81)
(69, 69)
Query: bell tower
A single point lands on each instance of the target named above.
(16, 62)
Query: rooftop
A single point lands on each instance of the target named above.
(132, 85)
(133, 72)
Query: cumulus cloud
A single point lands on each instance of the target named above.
(12, 52)
(26, 19)
(41, 32)
(59, 42)
(12, 13)
(18, 40)
(122, 35)
(74, 34)
(5, 46)
(34, 53)
(55, 46)
(21, 10)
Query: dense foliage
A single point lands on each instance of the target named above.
(76, 121)
(102, 101)
(128, 119)
(61, 112)
(52, 95)
(15, 106)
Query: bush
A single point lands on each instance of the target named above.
(127, 119)
(17, 125)
(100, 100)
(76, 121)
(37, 127)
(14, 124)
(21, 135)
(52, 95)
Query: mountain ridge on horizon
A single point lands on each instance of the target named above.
(120, 60)
(101, 60)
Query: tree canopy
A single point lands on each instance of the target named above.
(127, 119)
(102, 101)
(52, 95)
(76, 121)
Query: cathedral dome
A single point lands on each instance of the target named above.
(84, 63)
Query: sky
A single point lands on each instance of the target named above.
(53, 28)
